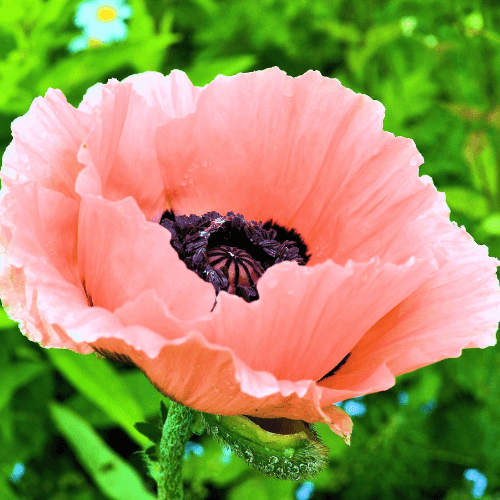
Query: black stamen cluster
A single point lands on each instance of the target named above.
(198, 239)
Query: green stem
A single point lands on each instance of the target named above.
(175, 434)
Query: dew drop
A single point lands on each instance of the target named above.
(248, 456)
(183, 183)
(273, 459)
(272, 282)
(25, 158)
(414, 161)
(44, 134)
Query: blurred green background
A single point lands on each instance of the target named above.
(66, 424)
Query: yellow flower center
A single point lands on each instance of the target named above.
(106, 13)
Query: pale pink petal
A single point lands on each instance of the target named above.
(120, 254)
(457, 308)
(209, 378)
(307, 152)
(174, 94)
(46, 142)
(320, 312)
(391, 281)
(122, 147)
(39, 238)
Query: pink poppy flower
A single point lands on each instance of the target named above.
(222, 312)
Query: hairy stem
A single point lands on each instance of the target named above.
(176, 432)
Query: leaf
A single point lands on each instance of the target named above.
(90, 66)
(480, 156)
(492, 224)
(204, 71)
(5, 321)
(466, 201)
(13, 376)
(144, 392)
(260, 488)
(99, 382)
(6, 492)
(151, 431)
(376, 38)
(115, 477)
(342, 31)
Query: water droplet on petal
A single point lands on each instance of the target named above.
(25, 158)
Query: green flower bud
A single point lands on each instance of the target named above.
(291, 449)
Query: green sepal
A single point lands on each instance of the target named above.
(295, 456)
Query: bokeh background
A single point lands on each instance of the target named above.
(67, 421)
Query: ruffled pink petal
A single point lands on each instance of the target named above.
(174, 94)
(122, 146)
(45, 145)
(209, 378)
(305, 151)
(391, 281)
(457, 308)
(308, 318)
(39, 237)
(120, 255)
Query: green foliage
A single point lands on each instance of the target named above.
(114, 476)
(435, 65)
(96, 379)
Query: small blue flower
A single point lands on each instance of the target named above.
(429, 406)
(403, 398)
(304, 491)
(479, 482)
(102, 21)
(195, 448)
(17, 472)
(355, 408)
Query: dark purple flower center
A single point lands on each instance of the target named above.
(230, 252)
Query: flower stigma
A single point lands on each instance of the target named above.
(230, 252)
